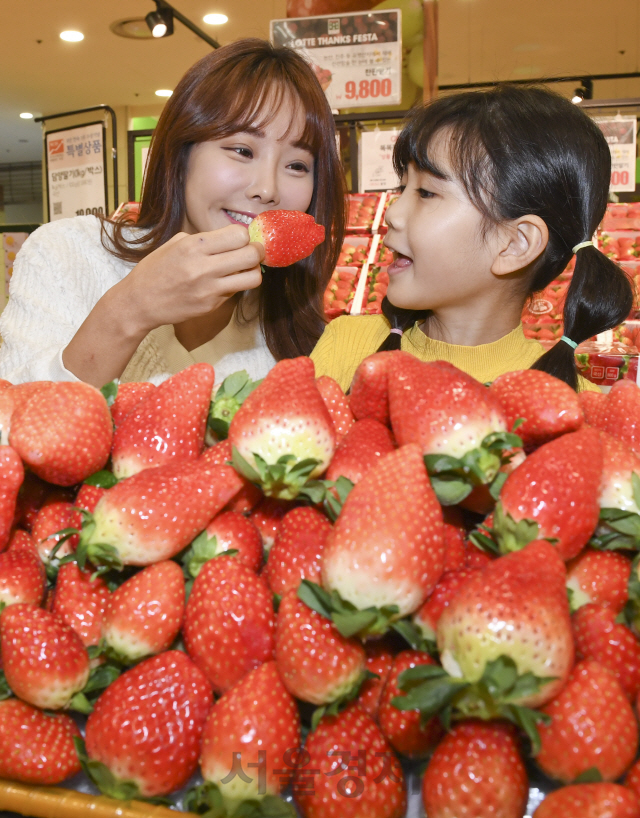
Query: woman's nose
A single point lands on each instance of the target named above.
(264, 186)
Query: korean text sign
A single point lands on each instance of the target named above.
(356, 57)
(620, 133)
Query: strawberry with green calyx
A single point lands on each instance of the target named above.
(337, 404)
(619, 524)
(229, 623)
(167, 426)
(144, 615)
(386, 551)
(249, 496)
(297, 551)
(228, 399)
(599, 637)
(407, 731)
(153, 515)
(249, 735)
(128, 754)
(36, 747)
(426, 618)
(44, 660)
(11, 478)
(347, 768)
(599, 576)
(316, 664)
(22, 577)
(554, 495)
(457, 422)
(594, 800)
(283, 435)
(229, 533)
(548, 406)
(592, 725)
(288, 236)
(63, 433)
(55, 531)
(477, 771)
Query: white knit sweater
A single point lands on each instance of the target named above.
(60, 273)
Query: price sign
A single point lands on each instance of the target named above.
(620, 133)
(76, 178)
(356, 57)
(376, 160)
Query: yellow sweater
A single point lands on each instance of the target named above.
(347, 340)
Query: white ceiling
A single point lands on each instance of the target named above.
(479, 40)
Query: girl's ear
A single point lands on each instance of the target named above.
(520, 243)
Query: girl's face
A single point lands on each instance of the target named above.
(233, 179)
(442, 258)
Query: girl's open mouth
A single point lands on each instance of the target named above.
(399, 264)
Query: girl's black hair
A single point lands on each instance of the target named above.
(525, 150)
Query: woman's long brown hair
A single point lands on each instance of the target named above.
(238, 86)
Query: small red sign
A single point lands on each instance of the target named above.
(597, 372)
(56, 146)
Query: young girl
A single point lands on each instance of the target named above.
(499, 190)
(247, 130)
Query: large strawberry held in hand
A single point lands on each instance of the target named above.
(287, 235)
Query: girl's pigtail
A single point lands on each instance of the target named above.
(599, 298)
(400, 321)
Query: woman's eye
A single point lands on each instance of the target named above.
(245, 152)
(424, 194)
(299, 166)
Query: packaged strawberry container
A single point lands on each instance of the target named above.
(622, 217)
(604, 363)
(338, 296)
(362, 209)
(354, 252)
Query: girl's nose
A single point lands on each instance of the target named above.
(264, 186)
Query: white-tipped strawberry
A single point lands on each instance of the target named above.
(283, 435)
(288, 236)
(619, 524)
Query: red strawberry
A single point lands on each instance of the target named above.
(22, 577)
(556, 492)
(249, 495)
(599, 637)
(33, 495)
(146, 727)
(267, 517)
(337, 405)
(127, 399)
(11, 478)
(475, 557)
(592, 725)
(361, 448)
(229, 624)
(599, 576)
(88, 496)
(51, 519)
(153, 515)
(44, 659)
(167, 426)
(316, 664)
(404, 729)
(22, 539)
(455, 554)
(369, 395)
(598, 800)
(284, 417)
(235, 532)
(256, 722)
(379, 660)
(348, 769)
(594, 407)
(623, 414)
(36, 747)
(517, 607)
(288, 236)
(63, 433)
(549, 407)
(443, 410)
(79, 599)
(632, 780)
(14, 398)
(426, 618)
(297, 551)
(143, 616)
(476, 772)
(386, 547)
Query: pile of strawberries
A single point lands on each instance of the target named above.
(287, 587)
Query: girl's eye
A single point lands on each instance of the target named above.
(424, 194)
(299, 166)
(245, 152)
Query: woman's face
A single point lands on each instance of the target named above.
(233, 179)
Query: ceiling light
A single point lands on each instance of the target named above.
(72, 36)
(215, 19)
(163, 92)
(26, 115)
(160, 22)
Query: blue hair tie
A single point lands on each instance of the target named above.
(569, 341)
